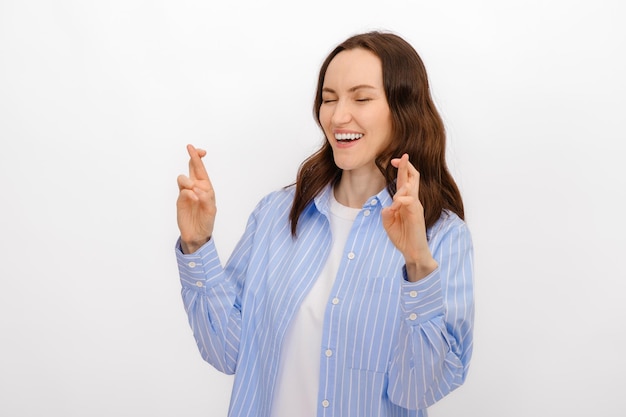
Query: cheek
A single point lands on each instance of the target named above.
(325, 122)
(384, 124)
(324, 117)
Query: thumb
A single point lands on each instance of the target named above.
(388, 217)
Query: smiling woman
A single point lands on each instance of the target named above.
(356, 119)
(351, 291)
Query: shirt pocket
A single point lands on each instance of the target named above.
(372, 322)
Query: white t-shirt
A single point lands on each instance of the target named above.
(298, 373)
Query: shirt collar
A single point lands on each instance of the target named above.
(322, 200)
(322, 203)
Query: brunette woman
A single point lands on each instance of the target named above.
(350, 292)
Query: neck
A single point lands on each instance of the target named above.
(353, 190)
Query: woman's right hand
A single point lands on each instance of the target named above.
(195, 207)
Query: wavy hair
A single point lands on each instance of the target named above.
(417, 129)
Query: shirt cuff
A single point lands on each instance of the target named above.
(199, 270)
(422, 300)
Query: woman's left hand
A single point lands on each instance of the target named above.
(404, 221)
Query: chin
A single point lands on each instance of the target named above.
(343, 165)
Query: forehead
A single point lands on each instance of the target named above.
(354, 67)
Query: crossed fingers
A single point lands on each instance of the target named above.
(407, 183)
(197, 171)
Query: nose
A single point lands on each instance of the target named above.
(342, 113)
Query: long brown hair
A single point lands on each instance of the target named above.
(417, 129)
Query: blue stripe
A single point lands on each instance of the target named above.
(397, 346)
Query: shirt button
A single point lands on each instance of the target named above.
(373, 202)
(413, 316)
(413, 294)
(351, 255)
(199, 284)
(328, 353)
(335, 301)
(325, 403)
(366, 213)
(192, 264)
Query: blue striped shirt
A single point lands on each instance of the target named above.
(397, 347)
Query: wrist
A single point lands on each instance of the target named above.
(192, 246)
(416, 270)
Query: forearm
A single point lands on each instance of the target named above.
(422, 358)
(435, 336)
(209, 301)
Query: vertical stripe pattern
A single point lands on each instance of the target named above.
(389, 347)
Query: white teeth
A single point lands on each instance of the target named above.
(348, 136)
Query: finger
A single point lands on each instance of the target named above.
(404, 201)
(394, 207)
(404, 191)
(184, 182)
(403, 171)
(414, 179)
(185, 196)
(197, 171)
(206, 203)
(204, 196)
(388, 217)
(408, 172)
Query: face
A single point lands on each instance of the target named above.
(354, 113)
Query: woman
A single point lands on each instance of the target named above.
(350, 292)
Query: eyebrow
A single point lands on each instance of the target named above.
(351, 89)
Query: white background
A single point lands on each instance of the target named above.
(99, 99)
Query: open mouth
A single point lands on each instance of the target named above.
(347, 137)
